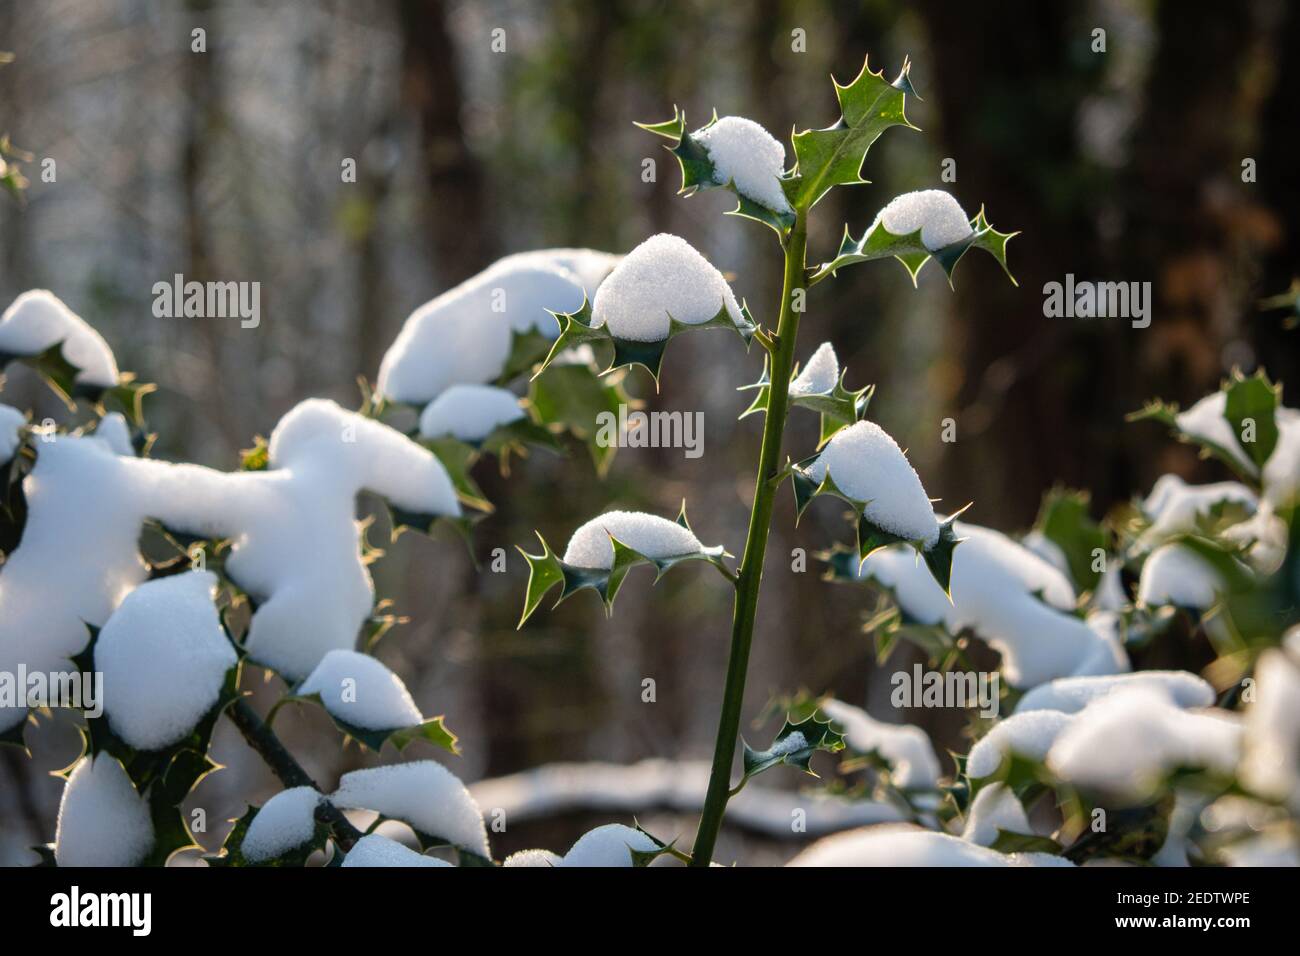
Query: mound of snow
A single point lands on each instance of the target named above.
(907, 748)
(464, 335)
(820, 375)
(936, 213)
(424, 794)
(116, 433)
(1071, 694)
(664, 276)
(374, 850)
(744, 153)
(866, 464)
(38, 319)
(103, 821)
(11, 420)
(1270, 764)
(608, 845)
(1126, 743)
(286, 821)
(1014, 600)
(540, 858)
(469, 412)
(1281, 477)
(359, 690)
(1205, 421)
(588, 266)
(164, 657)
(994, 808)
(1029, 735)
(1175, 506)
(908, 846)
(1177, 575)
(655, 537)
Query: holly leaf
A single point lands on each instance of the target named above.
(546, 571)
(699, 172)
(1009, 842)
(577, 329)
(1251, 409)
(879, 243)
(795, 745)
(1064, 520)
(834, 156)
(432, 730)
(574, 398)
(837, 407)
(871, 537)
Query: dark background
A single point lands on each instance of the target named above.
(1123, 165)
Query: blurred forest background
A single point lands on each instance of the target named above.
(1123, 165)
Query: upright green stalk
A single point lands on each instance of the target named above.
(750, 576)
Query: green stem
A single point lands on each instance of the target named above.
(268, 746)
(750, 576)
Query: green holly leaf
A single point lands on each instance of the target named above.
(870, 536)
(1009, 842)
(431, 730)
(13, 499)
(1064, 520)
(54, 369)
(795, 745)
(574, 397)
(879, 243)
(834, 156)
(1253, 400)
(13, 737)
(546, 571)
(577, 329)
(698, 172)
(837, 407)
(128, 395)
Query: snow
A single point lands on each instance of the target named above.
(374, 850)
(744, 153)
(910, 847)
(38, 319)
(791, 744)
(820, 375)
(1281, 476)
(164, 658)
(11, 420)
(595, 787)
(1263, 538)
(664, 276)
(540, 858)
(464, 335)
(1205, 421)
(424, 794)
(1127, 742)
(936, 213)
(907, 748)
(1175, 574)
(1071, 694)
(1029, 735)
(285, 822)
(651, 535)
(103, 821)
(994, 808)
(1047, 549)
(361, 691)
(469, 412)
(589, 266)
(1174, 506)
(1014, 600)
(866, 464)
(1270, 764)
(295, 541)
(116, 433)
(608, 845)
